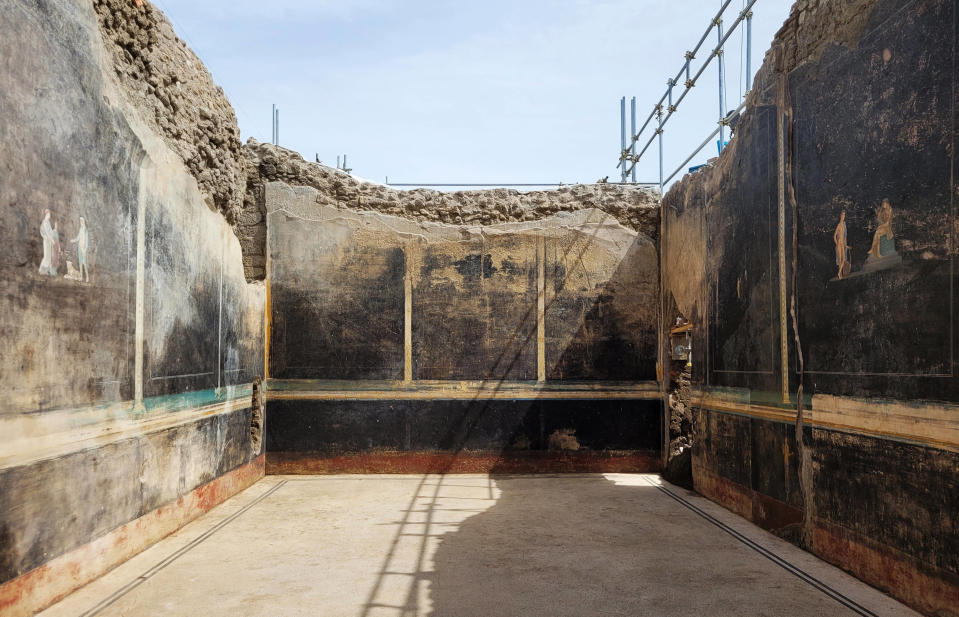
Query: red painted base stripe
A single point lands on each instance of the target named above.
(39, 588)
(925, 588)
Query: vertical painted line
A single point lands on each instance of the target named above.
(267, 311)
(408, 318)
(219, 333)
(784, 349)
(663, 336)
(266, 329)
(141, 276)
(541, 308)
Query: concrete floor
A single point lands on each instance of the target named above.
(473, 545)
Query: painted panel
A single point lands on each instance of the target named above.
(474, 308)
(874, 155)
(97, 490)
(601, 305)
(898, 495)
(742, 248)
(183, 286)
(337, 300)
(67, 220)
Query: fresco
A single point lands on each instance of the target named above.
(55, 254)
(882, 252)
(98, 217)
(474, 308)
(600, 312)
(741, 260)
(338, 299)
(873, 158)
(67, 225)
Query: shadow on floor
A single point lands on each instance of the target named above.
(587, 545)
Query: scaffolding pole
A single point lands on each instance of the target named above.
(722, 103)
(690, 83)
(700, 147)
(632, 130)
(749, 50)
(622, 132)
(690, 55)
(276, 125)
(659, 132)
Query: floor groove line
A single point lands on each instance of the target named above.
(768, 554)
(122, 591)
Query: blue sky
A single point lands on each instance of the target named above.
(495, 91)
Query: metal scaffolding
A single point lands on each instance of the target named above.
(276, 126)
(628, 158)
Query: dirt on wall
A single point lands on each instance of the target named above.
(170, 87)
(815, 24)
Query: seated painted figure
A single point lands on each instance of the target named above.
(883, 253)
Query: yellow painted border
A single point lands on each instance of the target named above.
(831, 407)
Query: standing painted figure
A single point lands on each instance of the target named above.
(842, 247)
(83, 243)
(49, 245)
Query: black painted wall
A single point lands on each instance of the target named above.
(335, 428)
(864, 121)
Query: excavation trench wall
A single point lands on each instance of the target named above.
(824, 397)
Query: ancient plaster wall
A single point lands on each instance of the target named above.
(391, 335)
(630, 206)
(131, 336)
(825, 402)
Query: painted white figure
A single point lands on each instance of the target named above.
(83, 243)
(46, 232)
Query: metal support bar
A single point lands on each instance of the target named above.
(749, 50)
(495, 184)
(276, 126)
(632, 131)
(660, 133)
(722, 104)
(660, 163)
(273, 125)
(699, 73)
(622, 134)
(690, 55)
(700, 147)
